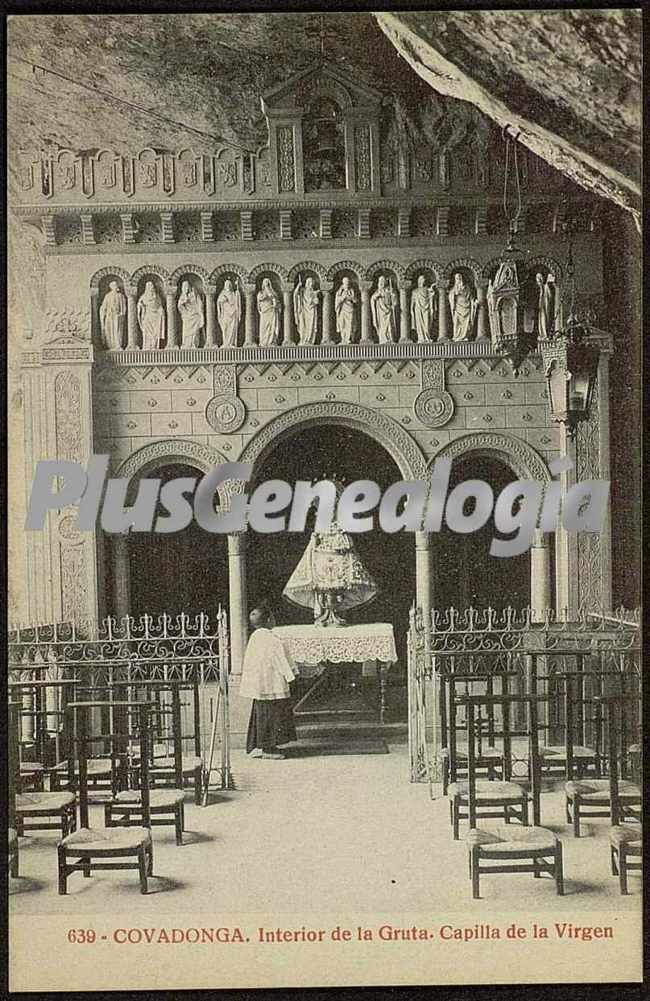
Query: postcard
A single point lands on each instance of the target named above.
(324, 505)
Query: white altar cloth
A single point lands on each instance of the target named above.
(312, 645)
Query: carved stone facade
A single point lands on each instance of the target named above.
(209, 403)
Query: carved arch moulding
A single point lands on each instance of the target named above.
(307, 266)
(189, 269)
(398, 443)
(424, 264)
(377, 266)
(466, 263)
(150, 269)
(353, 266)
(263, 269)
(169, 451)
(229, 269)
(115, 272)
(517, 454)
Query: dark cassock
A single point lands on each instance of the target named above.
(266, 673)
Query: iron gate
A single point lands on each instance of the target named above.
(124, 651)
(485, 643)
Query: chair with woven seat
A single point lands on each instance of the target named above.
(12, 767)
(177, 766)
(489, 757)
(89, 849)
(46, 811)
(612, 797)
(510, 849)
(625, 838)
(626, 850)
(166, 806)
(506, 799)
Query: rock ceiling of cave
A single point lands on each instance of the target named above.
(129, 81)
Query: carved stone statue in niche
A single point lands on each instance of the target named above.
(463, 307)
(344, 307)
(190, 306)
(112, 317)
(268, 307)
(545, 304)
(305, 310)
(422, 309)
(229, 313)
(383, 307)
(151, 318)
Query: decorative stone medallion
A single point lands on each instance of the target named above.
(225, 414)
(434, 407)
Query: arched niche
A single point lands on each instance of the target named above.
(144, 280)
(112, 334)
(345, 277)
(189, 297)
(462, 295)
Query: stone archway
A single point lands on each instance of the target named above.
(144, 462)
(526, 464)
(403, 449)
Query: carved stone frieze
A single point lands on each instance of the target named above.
(588, 467)
(68, 324)
(69, 431)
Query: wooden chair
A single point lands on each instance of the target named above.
(113, 846)
(13, 766)
(625, 839)
(593, 797)
(489, 757)
(505, 799)
(166, 806)
(553, 754)
(38, 810)
(166, 767)
(511, 849)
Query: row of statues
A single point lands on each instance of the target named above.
(384, 305)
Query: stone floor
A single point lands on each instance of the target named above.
(346, 831)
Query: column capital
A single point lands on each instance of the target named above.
(210, 289)
(326, 286)
(286, 288)
(365, 285)
(248, 287)
(442, 284)
(170, 289)
(405, 285)
(130, 291)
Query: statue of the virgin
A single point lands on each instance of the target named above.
(330, 577)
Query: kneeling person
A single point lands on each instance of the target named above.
(266, 674)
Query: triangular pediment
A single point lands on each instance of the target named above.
(319, 80)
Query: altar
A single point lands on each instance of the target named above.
(315, 648)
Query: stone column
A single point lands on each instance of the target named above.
(238, 611)
(540, 576)
(328, 333)
(566, 544)
(121, 577)
(287, 319)
(365, 287)
(444, 316)
(404, 311)
(131, 317)
(424, 574)
(482, 320)
(249, 314)
(210, 316)
(170, 301)
(96, 324)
